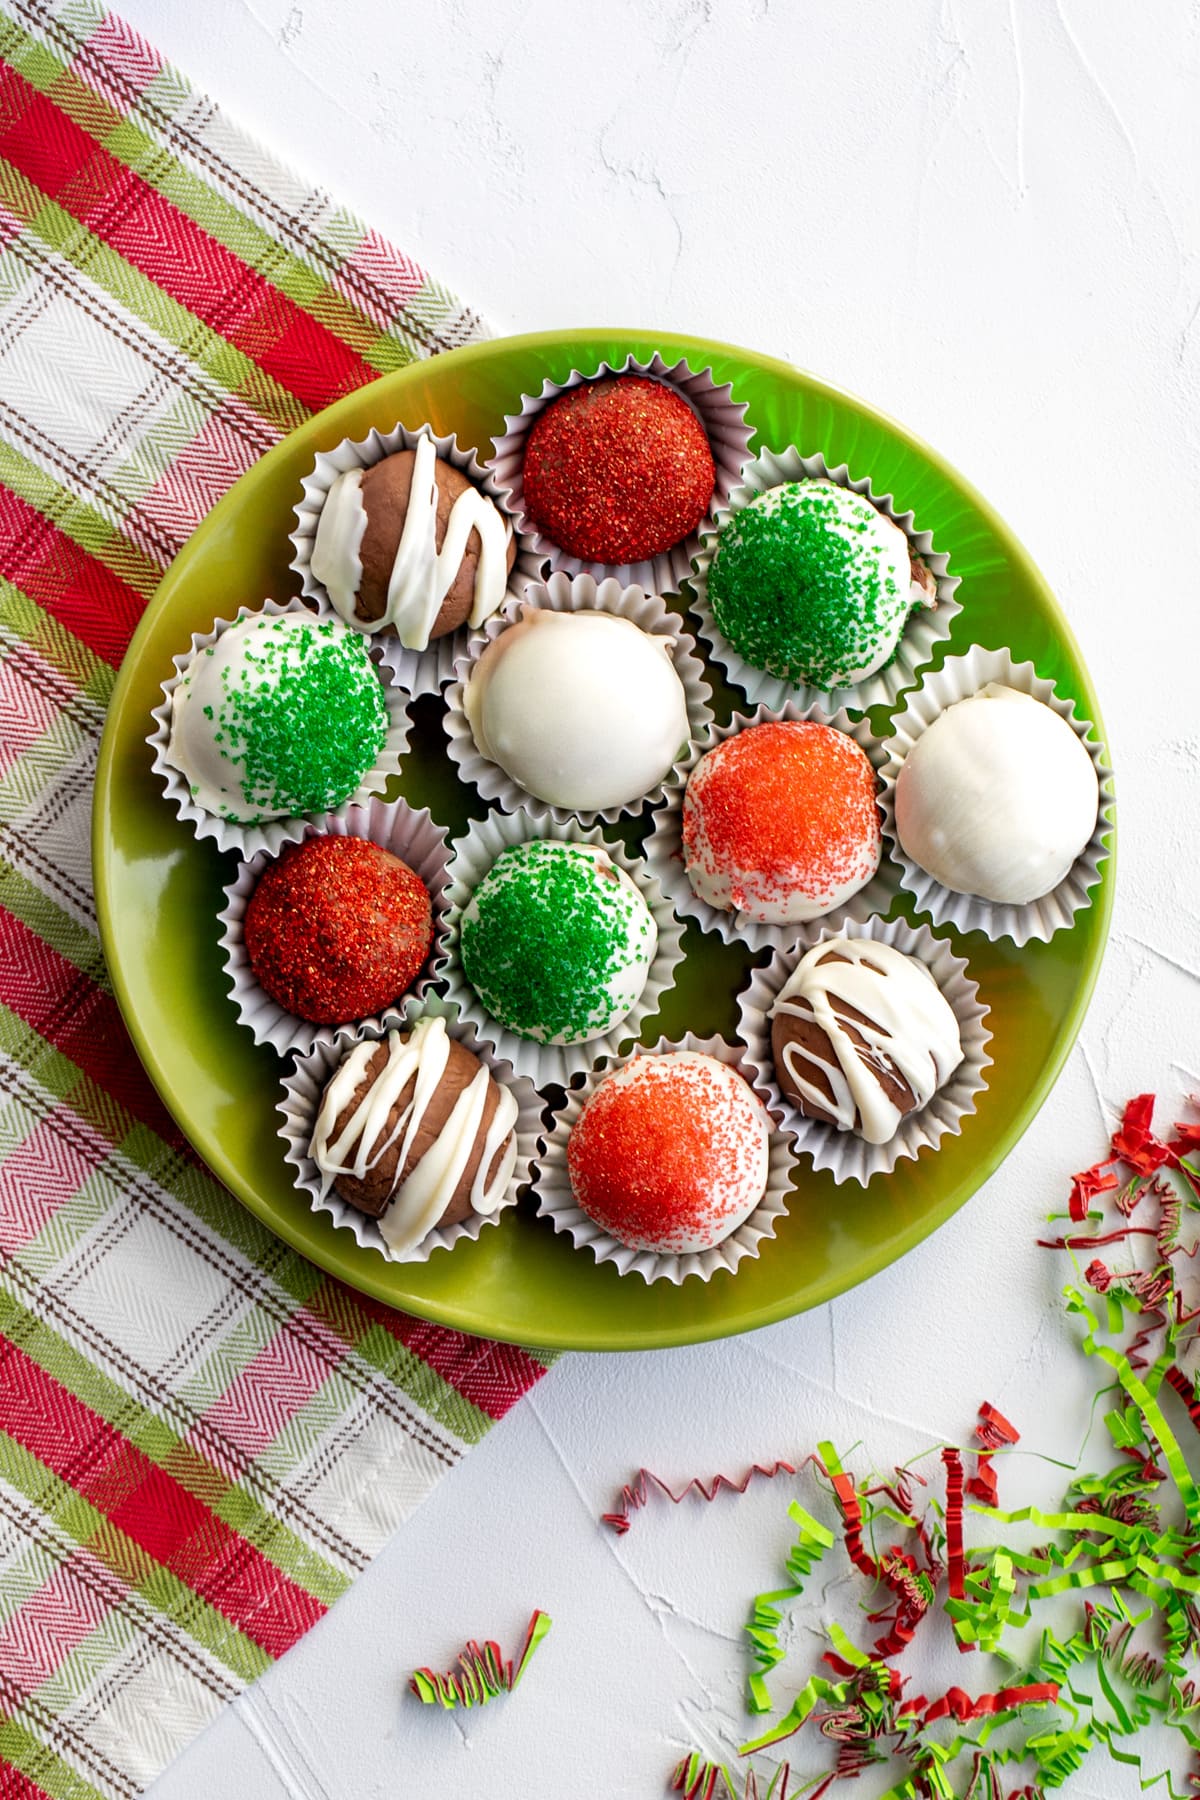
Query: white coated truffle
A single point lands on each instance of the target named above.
(583, 710)
(997, 798)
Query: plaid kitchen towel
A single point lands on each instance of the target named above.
(202, 1438)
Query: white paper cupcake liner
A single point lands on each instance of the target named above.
(847, 1156)
(273, 834)
(578, 593)
(420, 671)
(926, 626)
(471, 858)
(556, 1201)
(409, 833)
(724, 422)
(302, 1091)
(664, 846)
(1055, 911)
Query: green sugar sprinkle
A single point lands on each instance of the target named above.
(801, 590)
(303, 719)
(555, 947)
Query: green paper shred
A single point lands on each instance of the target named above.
(1123, 1548)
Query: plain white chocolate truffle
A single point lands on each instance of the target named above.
(583, 710)
(997, 798)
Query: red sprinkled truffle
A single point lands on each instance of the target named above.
(618, 470)
(670, 1153)
(780, 822)
(337, 929)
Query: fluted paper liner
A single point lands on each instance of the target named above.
(471, 858)
(409, 833)
(420, 671)
(272, 834)
(960, 677)
(556, 1201)
(724, 422)
(305, 1084)
(664, 846)
(847, 1156)
(579, 593)
(924, 628)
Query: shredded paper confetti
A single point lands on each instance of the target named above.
(482, 1672)
(1122, 1549)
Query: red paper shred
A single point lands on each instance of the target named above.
(1134, 1143)
(954, 1525)
(1108, 1542)
(896, 1569)
(955, 1704)
(636, 1494)
(994, 1432)
(1086, 1186)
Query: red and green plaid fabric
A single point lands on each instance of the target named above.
(202, 1438)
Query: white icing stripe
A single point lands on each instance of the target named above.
(336, 562)
(418, 1205)
(912, 1029)
(421, 575)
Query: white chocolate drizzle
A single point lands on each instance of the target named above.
(422, 575)
(417, 1206)
(906, 1021)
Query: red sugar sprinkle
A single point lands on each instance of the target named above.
(668, 1149)
(792, 803)
(618, 470)
(337, 929)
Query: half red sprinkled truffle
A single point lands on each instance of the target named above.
(670, 1153)
(618, 470)
(780, 822)
(337, 929)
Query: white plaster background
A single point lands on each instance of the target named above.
(984, 217)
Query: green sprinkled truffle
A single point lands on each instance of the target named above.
(810, 582)
(284, 717)
(557, 942)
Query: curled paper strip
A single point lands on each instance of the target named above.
(482, 1672)
(637, 1493)
(697, 1779)
(1126, 1541)
(765, 1613)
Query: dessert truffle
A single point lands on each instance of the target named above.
(862, 1035)
(337, 928)
(780, 823)
(997, 798)
(283, 715)
(557, 941)
(582, 709)
(411, 544)
(670, 1153)
(618, 470)
(415, 1132)
(812, 583)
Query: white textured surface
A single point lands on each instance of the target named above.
(985, 219)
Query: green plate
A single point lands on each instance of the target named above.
(159, 890)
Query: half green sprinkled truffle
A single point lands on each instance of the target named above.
(283, 715)
(557, 941)
(814, 584)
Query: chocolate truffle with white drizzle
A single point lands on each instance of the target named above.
(412, 545)
(862, 1035)
(416, 1132)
